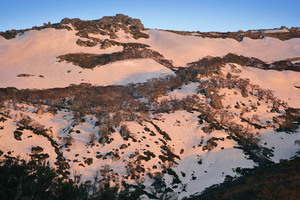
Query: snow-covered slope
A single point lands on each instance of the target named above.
(282, 83)
(172, 45)
(30, 61)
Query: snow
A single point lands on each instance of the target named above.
(281, 82)
(35, 53)
(182, 127)
(277, 31)
(282, 143)
(186, 134)
(182, 92)
(20, 54)
(172, 46)
(64, 74)
(23, 147)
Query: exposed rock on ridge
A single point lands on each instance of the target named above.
(107, 26)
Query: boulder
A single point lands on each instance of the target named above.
(39, 111)
(216, 101)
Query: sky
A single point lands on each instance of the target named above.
(189, 15)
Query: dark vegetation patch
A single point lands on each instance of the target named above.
(29, 180)
(18, 134)
(248, 142)
(37, 149)
(290, 121)
(168, 155)
(148, 155)
(163, 133)
(40, 157)
(24, 75)
(131, 51)
(26, 123)
(210, 144)
(277, 181)
(176, 179)
(2, 119)
(254, 62)
(88, 161)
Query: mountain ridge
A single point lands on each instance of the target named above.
(121, 21)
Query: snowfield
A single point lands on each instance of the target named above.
(282, 83)
(19, 57)
(194, 48)
(21, 68)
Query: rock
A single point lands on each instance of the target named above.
(65, 21)
(86, 43)
(39, 111)
(244, 93)
(116, 157)
(36, 149)
(216, 101)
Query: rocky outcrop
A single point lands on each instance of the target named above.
(282, 34)
(88, 43)
(104, 26)
(107, 26)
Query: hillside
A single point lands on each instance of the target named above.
(279, 181)
(166, 113)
